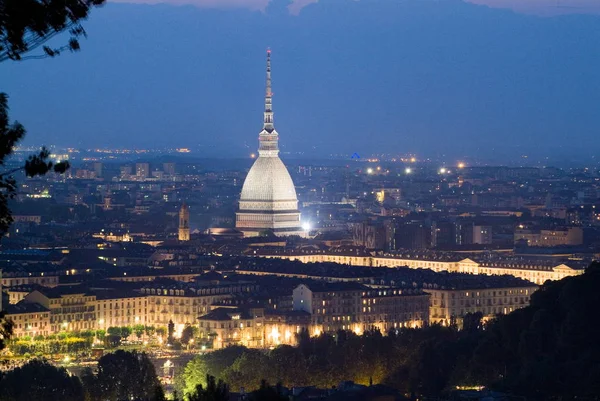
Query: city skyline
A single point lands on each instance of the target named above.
(423, 221)
(525, 81)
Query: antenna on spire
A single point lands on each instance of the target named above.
(268, 122)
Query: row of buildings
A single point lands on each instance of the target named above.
(253, 310)
(537, 271)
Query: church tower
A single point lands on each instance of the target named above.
(268, 201)
(184, 223)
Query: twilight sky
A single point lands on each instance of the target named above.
(431, 77)
(539, 7)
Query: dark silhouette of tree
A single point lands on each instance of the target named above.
(188, 333)
(214, 391)
(473, 322)
(124, 376)
(267, 392)
(38, 380)
(25, 25)
(6, 327)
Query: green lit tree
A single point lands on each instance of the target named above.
(213, 391)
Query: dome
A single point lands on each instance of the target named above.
(268, 181)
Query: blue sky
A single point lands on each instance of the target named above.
(430, 77)
(539, 7)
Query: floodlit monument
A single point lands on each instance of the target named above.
(268, 201)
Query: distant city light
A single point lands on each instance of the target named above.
(413, 159)
(369, 170)
(461, 165)
(443, 170)
(306, 226)
(408, 170)
(378, 168)
(253, 155)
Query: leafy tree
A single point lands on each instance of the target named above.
(473, 322)
(248, 370)
(139, 330)
(215, 364)
(28, 24)
(188, 333)
(149, 330)
(161, 331)
(38, 380)
(126, 331)
(124, 376)
(6, 327)
(213, 391)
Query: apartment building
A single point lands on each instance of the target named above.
(353, 306)
(29, 319)
(452, 304)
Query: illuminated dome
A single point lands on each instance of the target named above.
(268, 201)
(269, 181)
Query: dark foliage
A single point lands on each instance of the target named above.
(123, 376)
(214, 391)
(6, 327)
(40, 381)
(267, 392)
(25, 25)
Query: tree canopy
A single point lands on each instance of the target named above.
(25, 25)
(38, 380)
(124, 375)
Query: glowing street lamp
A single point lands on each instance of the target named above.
(443, 170)
(369, 170)
(408, 170)
(461, 165)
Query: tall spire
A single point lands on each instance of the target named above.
(268, 138)
(268, 123)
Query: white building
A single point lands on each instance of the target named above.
(268, 201)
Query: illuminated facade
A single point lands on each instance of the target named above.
(452, 304)
(251, 327)
(531, 271)
(69, 310)
(29, 319)
(546, 238)
(184, 223)
(268, 200)
(16, 279)
(116, 310)
(355, 307)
